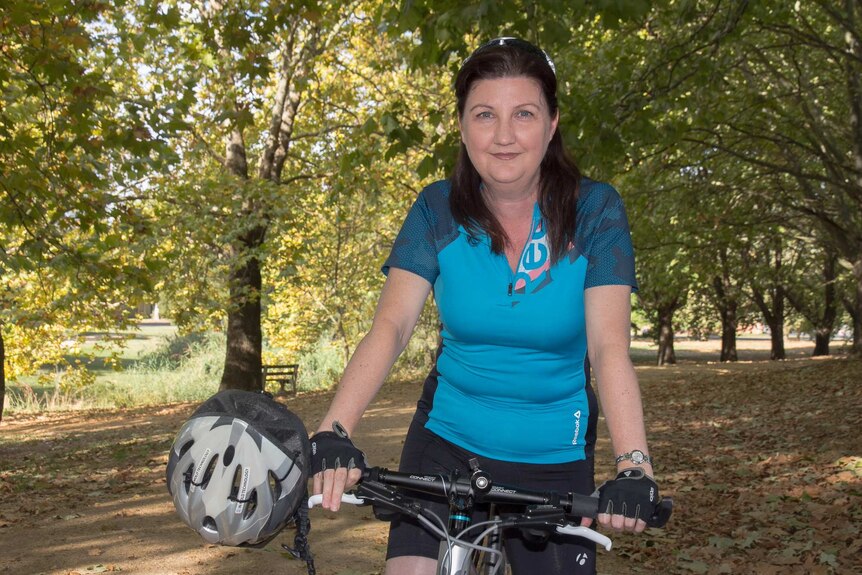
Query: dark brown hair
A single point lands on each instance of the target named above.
(559, 177)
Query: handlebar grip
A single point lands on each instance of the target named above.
(662, 514)
(584, 506)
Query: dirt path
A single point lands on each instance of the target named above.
(764, 461)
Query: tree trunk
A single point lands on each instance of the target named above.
(666, 354)
(822, 317)
(342, 334)
(776, 324)
(727, 308)
(728, 333)
(854, 88)
(776, 329)
(773, 310)
(826, 322)
(821, 343)
(857, 314)
(2, 374)
(242, 364)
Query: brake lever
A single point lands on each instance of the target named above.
(586, 533)
(345, 498)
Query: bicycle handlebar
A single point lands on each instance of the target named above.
(375, 480)
(573, 504)
(574, 530)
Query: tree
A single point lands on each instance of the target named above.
(789, 79)
(246, 72)
(770, 298)
(71, 144)
(283, 111)
(815, 296)
(348, 222)
(662, 243)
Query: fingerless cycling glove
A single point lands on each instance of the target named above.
(632, 494)
(333, 449)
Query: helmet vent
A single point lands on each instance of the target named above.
(187, 477)
(274, 486)
(251, 505)
(209, 472)
(209, 524)
(228, 455)
(235, 485)
(185, 447)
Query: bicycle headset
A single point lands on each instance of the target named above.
(238, 468)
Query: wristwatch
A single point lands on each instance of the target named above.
(637, 457)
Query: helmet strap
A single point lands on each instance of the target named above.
(301, 548)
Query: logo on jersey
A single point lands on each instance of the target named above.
(534, 269)
(577, 427)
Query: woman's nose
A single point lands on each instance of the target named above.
(504, 134)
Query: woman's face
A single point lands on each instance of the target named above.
(506, 128)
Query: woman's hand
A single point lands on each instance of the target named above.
(628, 501)
(336, 463)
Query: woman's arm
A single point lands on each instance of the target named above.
(401, 301)
(608, 319)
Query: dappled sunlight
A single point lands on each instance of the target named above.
(750, 349)
(78, 422)
(710, 424)
(758, 459)
(390, 410)
(763, 462)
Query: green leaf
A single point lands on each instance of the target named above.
(426, 167)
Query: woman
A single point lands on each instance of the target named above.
(532, 270)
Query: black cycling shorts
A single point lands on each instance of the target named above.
(428, 454)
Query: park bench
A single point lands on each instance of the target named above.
(282, 375)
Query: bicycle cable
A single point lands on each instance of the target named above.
(494, 525)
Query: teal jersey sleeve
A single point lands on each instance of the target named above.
(425, 231)
(606, 237)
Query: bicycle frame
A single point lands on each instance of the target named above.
(453, 557)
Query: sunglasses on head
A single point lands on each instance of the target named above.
(514, 43)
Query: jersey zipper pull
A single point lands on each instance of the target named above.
(510, 289)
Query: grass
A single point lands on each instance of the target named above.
(182, 369)
(148, 366)
(154, 365)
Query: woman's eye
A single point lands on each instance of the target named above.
(525, 114)
(483, 115)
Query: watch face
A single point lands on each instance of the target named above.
(637, 457)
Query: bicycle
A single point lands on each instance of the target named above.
(483, 555)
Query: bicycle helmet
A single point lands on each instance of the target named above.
(238, 468)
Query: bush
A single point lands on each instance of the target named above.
(186, 368)
(321, 367)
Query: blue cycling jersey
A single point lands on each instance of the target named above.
(510, 380)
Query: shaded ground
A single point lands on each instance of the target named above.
(763, 459)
